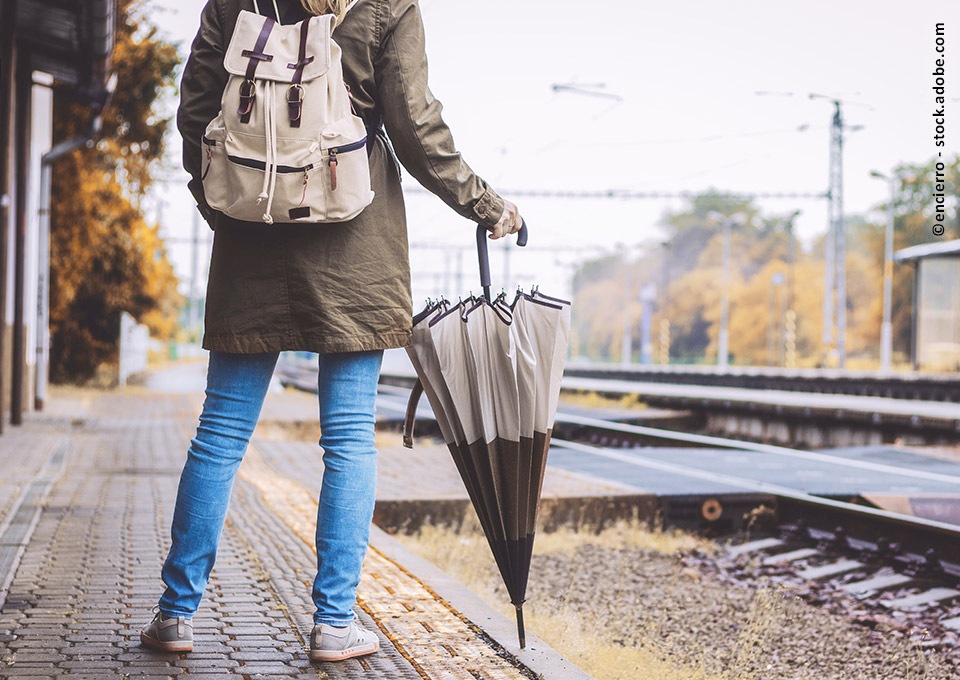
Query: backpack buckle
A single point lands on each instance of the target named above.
(248, 93)
(295, 104)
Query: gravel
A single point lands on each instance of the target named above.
(684, 610)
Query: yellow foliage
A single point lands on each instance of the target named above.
(104, 257)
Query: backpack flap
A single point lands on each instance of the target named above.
(278, 58)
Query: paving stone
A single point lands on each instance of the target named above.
(25, 671)
(89, 576)
(91, 637)
(253, 669)
(141, 669)
(272, 655)
(81, 649)
(257, 643)
(90, 664)
(37, 656)
(193, 663)
(207, 655)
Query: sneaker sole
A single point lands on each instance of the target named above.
(340, 655)
(178, 646)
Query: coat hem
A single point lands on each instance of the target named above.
(253, 344)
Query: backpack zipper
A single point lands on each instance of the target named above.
(261, 165)
(333, 152)
(333, 162)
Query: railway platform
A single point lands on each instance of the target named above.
(798, 408)
(86, 503)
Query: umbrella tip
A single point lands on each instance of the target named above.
(520, 632)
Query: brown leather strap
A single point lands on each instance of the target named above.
(410, 419)
(302, 58)
(295, 93)
(248, 89)
(295, 105)
(333, 172)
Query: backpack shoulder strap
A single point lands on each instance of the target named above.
(256, 7)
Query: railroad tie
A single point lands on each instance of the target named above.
(926, 597)
(876, 583)
(831, 569)
(792, 556)
(752, 546)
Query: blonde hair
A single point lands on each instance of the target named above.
(326, 7)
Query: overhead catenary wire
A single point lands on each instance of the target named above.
(606, 194)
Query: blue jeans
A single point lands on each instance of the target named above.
(236, 387)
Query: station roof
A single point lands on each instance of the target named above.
(70, 39)
(938, 249)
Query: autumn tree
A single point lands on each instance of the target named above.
(766, 279)
(104, 257)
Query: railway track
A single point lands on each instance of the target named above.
(924, 386)
(874, 582)
(883, 569)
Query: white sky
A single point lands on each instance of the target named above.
(687, 72)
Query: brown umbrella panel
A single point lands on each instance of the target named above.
(492, 373)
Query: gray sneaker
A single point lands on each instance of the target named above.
(173, 634)
(333, 643)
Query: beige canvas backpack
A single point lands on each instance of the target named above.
(286, 145)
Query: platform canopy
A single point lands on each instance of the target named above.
(936, 303)
(935, 249)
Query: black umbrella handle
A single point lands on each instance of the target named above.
(484, 255)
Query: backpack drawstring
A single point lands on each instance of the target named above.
(270, 138)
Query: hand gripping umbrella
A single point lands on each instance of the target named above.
(491, 371)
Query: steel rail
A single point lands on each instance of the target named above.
(722, 442)
(710, 440)
(754, 485)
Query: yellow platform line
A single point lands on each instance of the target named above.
(434, 637)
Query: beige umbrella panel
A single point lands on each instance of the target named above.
(492, 373)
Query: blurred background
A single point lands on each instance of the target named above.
(710, 183)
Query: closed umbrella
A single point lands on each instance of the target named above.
(491, 371)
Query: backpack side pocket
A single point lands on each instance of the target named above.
(345, 169)
(214, 171)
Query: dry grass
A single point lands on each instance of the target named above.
(594, 646)
(604, 641)
(622, 534)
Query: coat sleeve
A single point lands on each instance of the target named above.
(204, 78)
(411, 115)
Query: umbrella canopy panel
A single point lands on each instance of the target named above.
(492, 372)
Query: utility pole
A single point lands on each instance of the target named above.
(775, 320)
(648, 295)
(723, 352)
(835, 271)
(665, 309)
(886, 328)
(790, 318)
(836, 203)
(626, 341)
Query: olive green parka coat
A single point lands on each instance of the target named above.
(338, 287)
